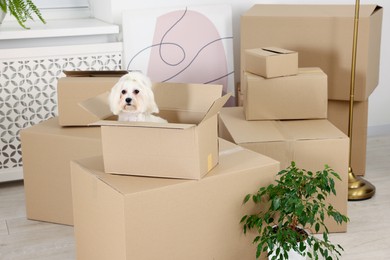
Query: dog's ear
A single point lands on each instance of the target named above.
(114, 98)
(150, 103)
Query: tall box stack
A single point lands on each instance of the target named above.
(284, 116)
(323, 35)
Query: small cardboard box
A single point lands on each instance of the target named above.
(310, 143)
(322, 35)
(302, 96)
(186, 147)
(271, 62)
(78, 86)
(47, 151)
(131, 217)
(338, 114)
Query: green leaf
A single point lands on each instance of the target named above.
(247, 197)
(276, 203)
(317, 227)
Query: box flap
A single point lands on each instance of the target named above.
(243, 131)
(95, 73)
(216, 106)
(142, 124)
(98, 105)
(186, 97)
(310, 130)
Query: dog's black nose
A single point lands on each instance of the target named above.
(128, 100)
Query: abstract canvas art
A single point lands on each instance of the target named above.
(192, 44)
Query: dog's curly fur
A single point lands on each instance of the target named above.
(132, 99)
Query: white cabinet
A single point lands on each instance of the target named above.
(28, 81)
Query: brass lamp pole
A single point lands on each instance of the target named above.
(358, 188)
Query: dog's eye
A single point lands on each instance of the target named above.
(124, 92)
(136, 91)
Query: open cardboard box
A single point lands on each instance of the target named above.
(271, 62)
(186, 147)
(310, 143)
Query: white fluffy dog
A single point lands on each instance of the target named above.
(132, 99)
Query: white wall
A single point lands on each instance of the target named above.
(379, 101)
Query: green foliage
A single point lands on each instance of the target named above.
(22, 10)
(294, 202)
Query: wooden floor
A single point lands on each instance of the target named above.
(368, 235)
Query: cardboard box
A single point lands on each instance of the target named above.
(338, 114)
(310, 143)
(271, 62)
(78, 86)
(302, 96)
(47, 151)
(186, 147)
(130, 217)
(322, 35)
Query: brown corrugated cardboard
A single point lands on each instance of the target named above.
(322, 35)
(78, 86)
(302, 96)
(130, 217)
(186, 147)
(310, 143)
(47, 151)
(338, 114)
(271, 62)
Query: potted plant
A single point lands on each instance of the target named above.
(295, 202)
(22, 10)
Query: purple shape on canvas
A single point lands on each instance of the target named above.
(188, 48)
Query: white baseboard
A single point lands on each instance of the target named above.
(378, 130)
(14, 174)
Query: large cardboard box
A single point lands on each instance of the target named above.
(322, 35)
(338, 114)
(186, 147)
(310, 143)
(302, 96)
(78, 86)
(271, 62)
(130, 217)
(47, 151)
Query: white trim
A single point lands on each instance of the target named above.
(14, 174)
(26, 53)
(43, 4)
(57, 28)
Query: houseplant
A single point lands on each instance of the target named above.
(295, 202)
(22, 10)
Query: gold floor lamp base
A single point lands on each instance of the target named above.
(359, 188)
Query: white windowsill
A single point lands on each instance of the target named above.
(11, 30)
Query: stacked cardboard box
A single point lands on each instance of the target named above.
(322, 34)
(47, 150)
(127, 185)
(284, 117)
